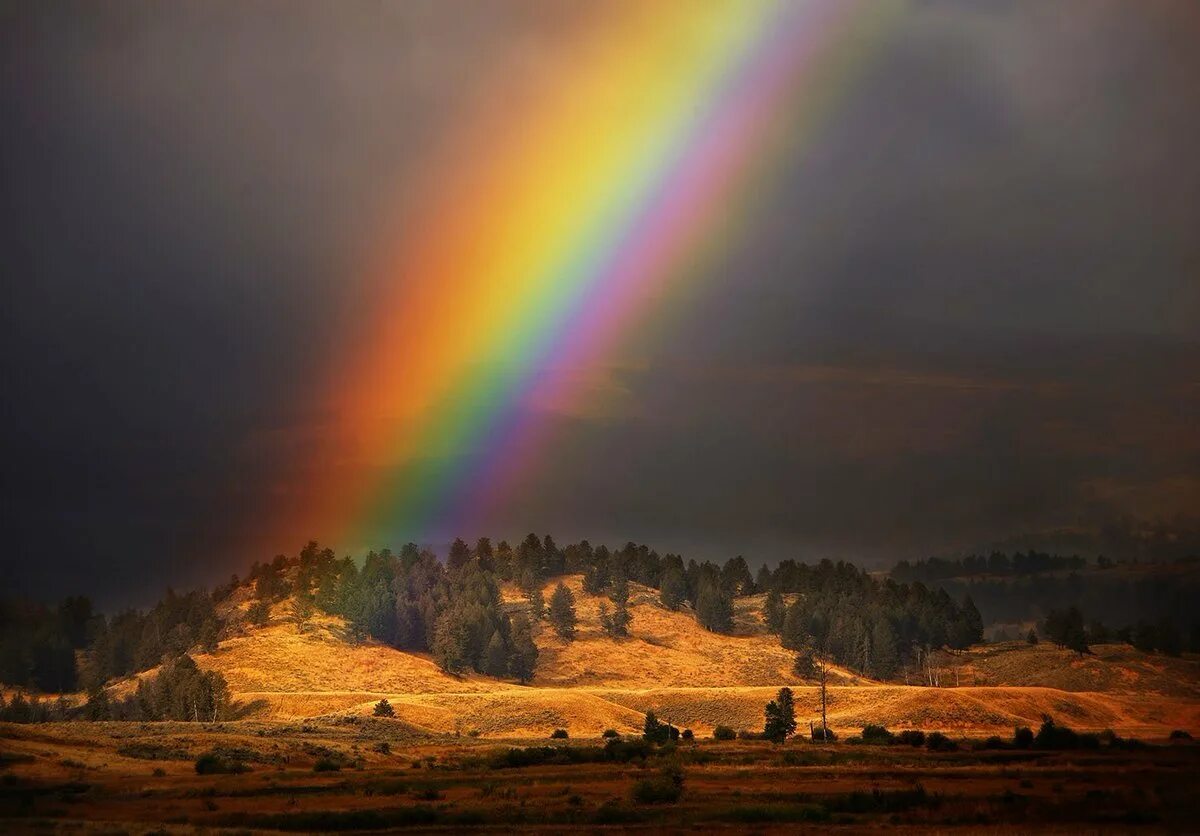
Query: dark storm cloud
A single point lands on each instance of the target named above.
(970, 309)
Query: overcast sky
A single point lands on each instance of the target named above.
(968, 309)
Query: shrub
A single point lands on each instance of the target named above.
(627, 750)
(610, 733)
(383, 708)
(327, 765)
(559, 734)
(259, 613)
(938, 742)
(211, 763)
(656, 731)
(1116, 742)
(994, 742)
(1051, 736)
(689, 735)
(383, 747)
(1180, 734)
(664, 788)
(823, 736)
(911, 737)
(876, 735)
(746, 734)
(724, 733)
(1023, 737)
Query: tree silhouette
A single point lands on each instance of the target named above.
(562, 612)
(523, 653)
(780, 717)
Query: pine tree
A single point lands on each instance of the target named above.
(774, 612)
(383, 708)
(969, 629)
(780, 717)
(673, 589)
(451, 642)
(537, 604)
(495, 656)
(655, 731)
(619, 621)
(523, 653)
(883, 645)
(459, 557)
(595, 578)
(562, 612)
(795, 635)
(714, 609)
(484, 554)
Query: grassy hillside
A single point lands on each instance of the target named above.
(290, 669)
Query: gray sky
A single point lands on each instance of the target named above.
(969, 308)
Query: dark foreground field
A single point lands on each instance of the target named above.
(324, 777)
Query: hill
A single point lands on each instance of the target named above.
(294, 668)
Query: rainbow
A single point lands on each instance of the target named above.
(541, 237)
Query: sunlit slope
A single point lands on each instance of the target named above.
(1115, 668)
(586, 712)
(664, 648)
(296, 668)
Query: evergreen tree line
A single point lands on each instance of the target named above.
(135, 641)
(842, 614)
(996, 563)
(838, 611)
(1065, 628)
(179, 691)
(411, 601)
(38, 643)
(1128, 597)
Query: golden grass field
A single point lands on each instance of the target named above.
(288, 670)
(381, 775)
(304, 695)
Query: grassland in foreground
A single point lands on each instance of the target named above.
(369, 774)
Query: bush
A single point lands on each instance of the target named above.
(1114, 741)
(626, 750)
(211, 763)
(1180, 734)
(746, 734)
(823, 736)
(383, 708)
(1051, 736)
(911, 737)
(938, 742)
(876, 734)
(559, 734)
(724, 733)
(610, 733)
(259, 613)
(664, 788)
(327, 765)
(689, 735)
(1023, 737)
(994, 742)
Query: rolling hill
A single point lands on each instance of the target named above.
(295, 669)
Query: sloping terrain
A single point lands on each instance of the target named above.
(1116, 668)
(295, 668)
